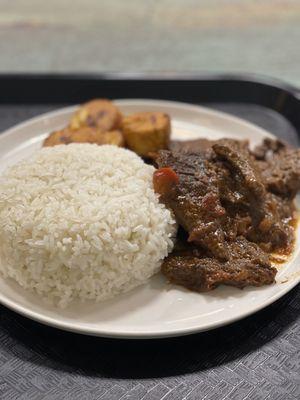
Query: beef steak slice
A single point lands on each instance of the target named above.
(195, 199)
(247, 265)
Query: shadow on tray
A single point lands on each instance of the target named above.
(123, 359)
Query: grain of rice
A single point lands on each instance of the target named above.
(82, 222)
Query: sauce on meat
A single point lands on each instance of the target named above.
(236, 207)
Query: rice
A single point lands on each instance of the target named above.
(82, 222)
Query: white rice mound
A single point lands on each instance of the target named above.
(82, 222)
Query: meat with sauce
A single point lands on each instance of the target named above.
(280, 167)
(247, 265)
(220, 194)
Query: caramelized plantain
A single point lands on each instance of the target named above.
(98, 113)
(147, 132)
(85, 135)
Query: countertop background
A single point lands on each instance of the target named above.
(167, 35)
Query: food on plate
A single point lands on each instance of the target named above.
(82, 221)
(63, 136)
(246, 265)
(280, 168)
(146, 132)
(99, 113)
(235, 206)
(85, 134)
(100, 121)
(206, 144)
(87, 221)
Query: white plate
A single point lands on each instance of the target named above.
(155, 309)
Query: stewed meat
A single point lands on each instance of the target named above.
(267, 227)
(194, 199)
(280, 171)
(268, 148)
(246, 178)
(235, 205)
(247, 265)
(206, 144)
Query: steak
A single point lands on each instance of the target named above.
(281, 173)
(234, 205)
(202, 145)
(267, 226)
(247, 180)
(247, 265)
(195, 199)
(268, 148)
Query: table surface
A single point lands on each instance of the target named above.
(257, 358)
(167, 35)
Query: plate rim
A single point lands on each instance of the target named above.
(154, 334)
(141, 335)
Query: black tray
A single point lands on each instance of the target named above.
(256, 358)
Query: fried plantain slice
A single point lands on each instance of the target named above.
(147, 132)
(85, 135)
(58, 137)
(98, 113)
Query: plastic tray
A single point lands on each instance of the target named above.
(256, 358)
